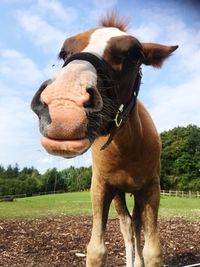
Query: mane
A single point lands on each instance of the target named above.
(112, 19)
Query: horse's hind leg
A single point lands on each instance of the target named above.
(125, 226)
(137, 234)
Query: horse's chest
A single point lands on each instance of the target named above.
(128, 177)
(128, 182)
(129, 172)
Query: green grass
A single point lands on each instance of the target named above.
(177, 206)
(79, 204)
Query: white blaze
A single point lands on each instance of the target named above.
(99, 40)
(72, 81)
(78, 72)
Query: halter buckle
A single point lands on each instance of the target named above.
(118, 120)
(140, 72)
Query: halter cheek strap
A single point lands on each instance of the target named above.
(107, 74)
(124, 112)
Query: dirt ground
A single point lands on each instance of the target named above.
(61, 241)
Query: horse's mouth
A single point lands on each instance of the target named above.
(65, 148)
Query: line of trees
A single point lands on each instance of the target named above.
(180, 159)
(180, 169)
(29, 181)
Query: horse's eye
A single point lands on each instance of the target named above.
(62, 54)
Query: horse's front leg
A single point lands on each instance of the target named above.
(101, 199)
(148, 202)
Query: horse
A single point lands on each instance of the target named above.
(92, 101)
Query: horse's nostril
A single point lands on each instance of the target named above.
(95, 102)
(91, 102)
(37, 103)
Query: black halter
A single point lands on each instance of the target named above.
(108, 76)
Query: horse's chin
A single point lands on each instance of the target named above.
(65, 148)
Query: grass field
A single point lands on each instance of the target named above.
(78, 203)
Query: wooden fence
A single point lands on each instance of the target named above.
(190, 194)
(3, 198)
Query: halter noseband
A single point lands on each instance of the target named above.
(108, 74)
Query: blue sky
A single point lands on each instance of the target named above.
(32, 33)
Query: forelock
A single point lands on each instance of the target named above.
(112, 19)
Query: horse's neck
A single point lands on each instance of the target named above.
(127, 142)
(125, 147)
(130, 135)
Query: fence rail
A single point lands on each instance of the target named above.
(30, 195)
(190, 194)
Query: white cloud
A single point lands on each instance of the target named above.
(48, 23)
(14, 118)
(15, 133)
(42, 33)
(16, 1)
(18, 76)
(104, 4)
(18, 69)
(146, 32)
(188, 39)
(179, 105)
(56, 11)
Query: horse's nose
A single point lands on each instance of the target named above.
(63, 113)
(37, 105)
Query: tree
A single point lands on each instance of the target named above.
(180, 158)
(53, 180)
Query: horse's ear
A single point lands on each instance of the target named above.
(155, 54)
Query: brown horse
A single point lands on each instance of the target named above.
(92, 100)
